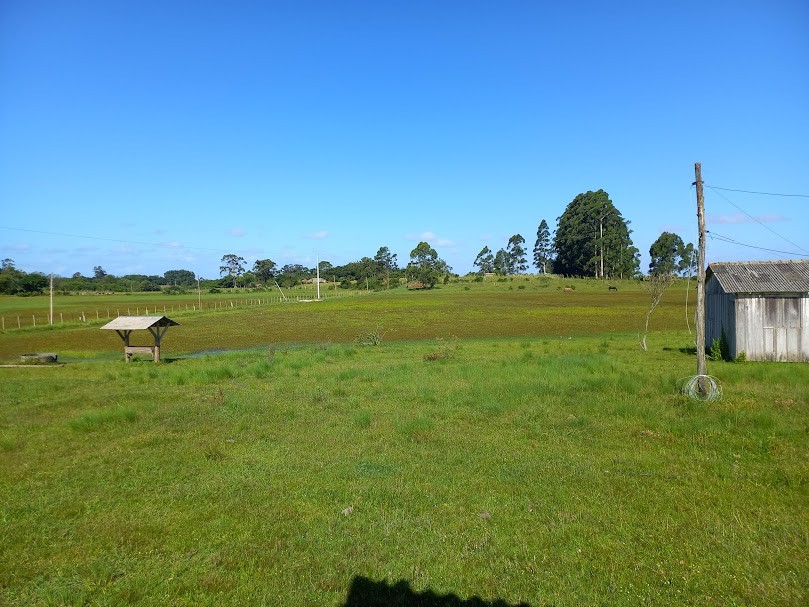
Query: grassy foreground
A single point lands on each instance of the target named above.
(556, 470)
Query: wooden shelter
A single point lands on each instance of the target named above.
(156, 325)
(761, 307)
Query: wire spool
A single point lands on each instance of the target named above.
(713, 389)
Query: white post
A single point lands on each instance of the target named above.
(50, 316)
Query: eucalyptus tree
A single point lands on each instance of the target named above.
(669, 254)
(543, 249)
(425, 265)
(264, 270)
(517, 263)
(387, 263)
(484, 261)
(232, 267)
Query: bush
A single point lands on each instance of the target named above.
(374, 338)
(720, 350)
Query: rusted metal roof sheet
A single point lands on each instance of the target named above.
(132, 323)
(762, 276)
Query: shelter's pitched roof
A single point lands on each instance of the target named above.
(762, 276)
(131, 323)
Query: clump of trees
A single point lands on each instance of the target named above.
(593, 239)
(507, 261)
(426, 267)
(379, 272)
(671, 256)
(17, 282)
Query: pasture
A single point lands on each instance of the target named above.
(511, 445)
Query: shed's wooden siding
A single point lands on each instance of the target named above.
(773, 327)
(720, 316)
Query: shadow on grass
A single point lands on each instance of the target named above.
(690, 351)
(367, 593)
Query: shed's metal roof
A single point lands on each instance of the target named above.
(131, 323)
(762, 276)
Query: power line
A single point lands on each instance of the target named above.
(722, 238)
(714, 187)
(150, 244)
(760, 222)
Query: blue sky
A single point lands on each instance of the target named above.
(149, 136)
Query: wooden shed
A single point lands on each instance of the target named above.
(761, 306)
(156, 325)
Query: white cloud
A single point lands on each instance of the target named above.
(740, 218)
(432, 238)
(318, 235)
(173, 245)
(237, 232)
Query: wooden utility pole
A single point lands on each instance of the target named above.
(701, 365)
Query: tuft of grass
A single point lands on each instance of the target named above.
(362, 419)
(89, 421)
(417, 429)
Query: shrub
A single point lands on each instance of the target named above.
(720, 350)
(373, 338)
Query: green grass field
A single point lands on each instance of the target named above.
(512, 445)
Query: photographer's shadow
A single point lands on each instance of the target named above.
(367, 593)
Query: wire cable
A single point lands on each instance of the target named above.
(173, 247)
(762, 224)
(722, 238)
(715, 187)
(702, 387)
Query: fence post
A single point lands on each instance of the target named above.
(34, 317)
(61, 319)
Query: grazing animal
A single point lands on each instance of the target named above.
(613, 288)
(569, 289)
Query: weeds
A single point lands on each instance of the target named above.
(447, 349)
(373, 338)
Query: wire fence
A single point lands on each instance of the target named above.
(96, 314)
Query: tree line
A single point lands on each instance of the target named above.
(382, 271)
(592, 239)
